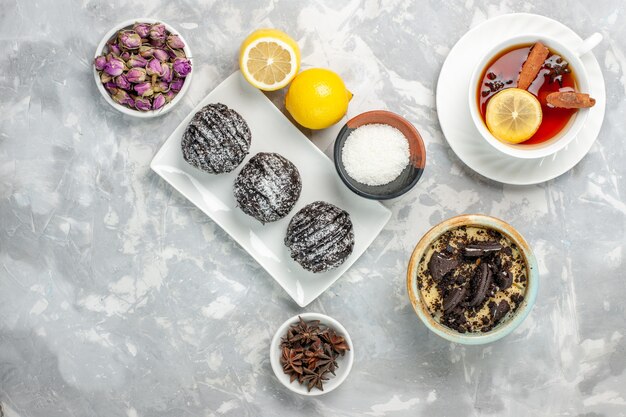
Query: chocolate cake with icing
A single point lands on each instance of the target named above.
(320, 236)
(267, 187)
(217, 139)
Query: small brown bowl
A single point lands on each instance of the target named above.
(411, 174)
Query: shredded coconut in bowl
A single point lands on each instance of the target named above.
(375, 154)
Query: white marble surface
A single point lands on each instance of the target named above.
(120, 298)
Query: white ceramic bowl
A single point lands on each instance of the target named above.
(344, 362)
(572, 54)
(136, 113)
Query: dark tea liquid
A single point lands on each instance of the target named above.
(502, 72)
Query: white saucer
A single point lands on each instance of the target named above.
(456, 122)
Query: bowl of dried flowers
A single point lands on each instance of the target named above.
(311, 354)
(143, 67)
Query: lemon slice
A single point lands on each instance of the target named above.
(513, 115)
(269, 59)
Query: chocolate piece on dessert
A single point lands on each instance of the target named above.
(476, 250)
(216, 140)
(454, 297)
(441, 263)
(267, 187)
(532, 66)
(504, 278)
(570, 100)
(320, 236)
(480, 284)
(498, 311)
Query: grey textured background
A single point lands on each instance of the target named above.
(119, 298)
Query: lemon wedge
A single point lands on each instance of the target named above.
(269, 59)
(513, 115)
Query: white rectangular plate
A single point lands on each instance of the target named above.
(213, 194)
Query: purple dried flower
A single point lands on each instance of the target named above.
(160, 86)
(182, 67)
(169, 95)
(114, 49)
(110, 87)
(136, 75)
(122, 97)
(100, 62)
(177, 84)
(122, 82)
(129, 39)
(142, 29)
(167, 73)
(114, 65)
(142, 103)
(157, 32)
(146, 51)
(144, 89)
(175, 42)
(154, 67)
(136, 61)
(160, 54)
(158, 101)
(125, 56)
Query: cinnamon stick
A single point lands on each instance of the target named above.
(570, 100)
(534, 62)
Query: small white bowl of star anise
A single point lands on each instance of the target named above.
(311, 354)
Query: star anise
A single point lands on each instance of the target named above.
(310, 352)
(313, 379)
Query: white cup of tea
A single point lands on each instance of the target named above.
(565, 136)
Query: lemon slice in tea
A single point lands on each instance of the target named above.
(269, 59)
(513, 115)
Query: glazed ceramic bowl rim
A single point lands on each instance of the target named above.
(338, 149)
(136, 113)
(503, 329)
(566, 135)
(345, 362)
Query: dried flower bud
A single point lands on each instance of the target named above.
(136, 75)
(160, 87)
(122, 97)
(154, 67)
(158, 101)
(177, 84)
(136, 61)
(146, 51)
(175, 42)
(157, 32)
(122, 82)
(110, 87)
(160, 54)
(100, 62)
(114, 65)
(142, 104)
(125, 56)
(182, 67)
(167, 73)
(144, 89)
(129, 39)
(105, 78)
(142, 29)
(114, 49)
(169, 95)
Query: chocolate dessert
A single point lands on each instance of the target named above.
(267, 187)
(217, 139)
(471, 278)
(320, 236)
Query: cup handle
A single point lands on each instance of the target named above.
(588, 44)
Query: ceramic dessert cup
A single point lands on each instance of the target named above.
(411, 174)
(514, 319)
